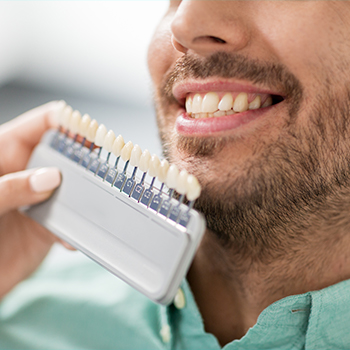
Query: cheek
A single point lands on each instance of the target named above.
(161, 53)
(301, 36)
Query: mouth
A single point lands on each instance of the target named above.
(204, 109)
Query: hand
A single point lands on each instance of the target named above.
(23, 242)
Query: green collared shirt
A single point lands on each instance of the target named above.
(81, 306)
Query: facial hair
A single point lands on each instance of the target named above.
(265, 207)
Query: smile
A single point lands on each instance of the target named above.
(211, 107)
(213, 104)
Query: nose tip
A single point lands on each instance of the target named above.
(204, 28)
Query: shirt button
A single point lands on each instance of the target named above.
(165, 333)
(179, 300)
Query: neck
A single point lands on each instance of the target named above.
(232, 290)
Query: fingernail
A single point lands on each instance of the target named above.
(45, 179)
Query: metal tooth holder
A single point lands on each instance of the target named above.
(121, 178)
(138, 191)
(166, 205)
(126, 229)
(130, 183)
(147, 195)
(103, 170)
(157, 200)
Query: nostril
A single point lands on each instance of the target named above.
(217, 40)
(177, 45)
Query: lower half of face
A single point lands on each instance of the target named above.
(270, 174)
(267, 183)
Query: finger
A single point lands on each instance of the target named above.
(27, 187)
(29, 126)
(66, 245)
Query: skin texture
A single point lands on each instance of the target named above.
(275, 191)
(23, 243)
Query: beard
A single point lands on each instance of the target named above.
(288, 189)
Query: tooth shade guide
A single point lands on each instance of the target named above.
(126, 151)
(66, 116)
(160, 184)
(100, 135)
(135, 156)
(74, 122)
(108, 141)
(118, 145)
(172, 176)
(144, 161)
(84, 125)
(145, 180)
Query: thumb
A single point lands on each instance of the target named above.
(27, 187)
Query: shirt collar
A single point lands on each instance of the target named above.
(317, 319)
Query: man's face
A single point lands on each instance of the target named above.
(266, 170)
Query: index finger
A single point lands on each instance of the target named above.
(28, 128)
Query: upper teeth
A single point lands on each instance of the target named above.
(210, 105)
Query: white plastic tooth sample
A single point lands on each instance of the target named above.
(108, 141)
(210, 102)
(74, 122)
(197, 103)
(226, 102)
(91, 131)
(100, 135)
(118, 145)
(181, 186)
(256, 103)
(193, 188)
(56, 116)
(171, 177)
(241, 102)
(135, 156)
(144, 160)
(126, 151)
(163, 170)
(154, 165)
(84, 125)
(66, 116)
(189, 105)
(268, 102)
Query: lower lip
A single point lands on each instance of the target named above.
(186, 125)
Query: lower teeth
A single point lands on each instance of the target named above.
(220, 113)
(211, 115)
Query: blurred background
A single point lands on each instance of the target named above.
(90, 53)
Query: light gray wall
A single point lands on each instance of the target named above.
(90, 53)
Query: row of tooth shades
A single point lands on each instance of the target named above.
(180, 181)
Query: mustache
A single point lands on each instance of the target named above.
(226, 65)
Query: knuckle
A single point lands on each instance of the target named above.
(12, 189)
(7, 186)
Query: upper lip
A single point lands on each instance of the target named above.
(181, 89)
